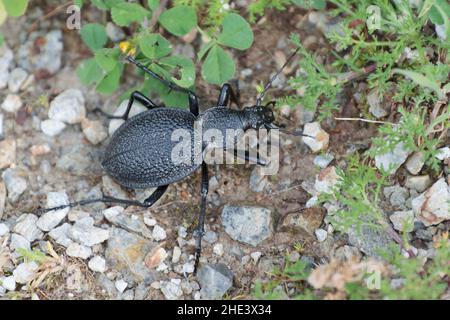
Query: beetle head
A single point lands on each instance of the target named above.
(258, 116)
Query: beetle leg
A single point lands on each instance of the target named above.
(200, 230)
(155, 196)
(136, 95)
(247, 157)
(227, 94)
(193, 104)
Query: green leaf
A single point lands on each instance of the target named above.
(186, 68)
(15, 8)
(437, 16)
(179, 20)
(107, 58)
(172, 98)
(421, 80)
(123, 14)
(88, 71)
(311, 4)
(94, 35)
(79, 3)
(105, 4)
(111, 81)
(205, 49)
(218, 66)
(153, 4)
(2, 39)
(236, 32)
(154, 46)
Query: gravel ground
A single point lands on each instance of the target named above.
(51, 142)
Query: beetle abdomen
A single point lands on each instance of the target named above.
(139, 154)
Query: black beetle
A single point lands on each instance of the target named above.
(139, 153)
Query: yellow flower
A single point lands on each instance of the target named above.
(127, 48)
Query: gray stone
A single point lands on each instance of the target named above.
(323, 161)
(215, 281)
(42, 52)
(320, 138)
(78, 251)
(126, 253)
(52, 127)
(370, 240)
(218, 249)
(12, 103)
(9, 283)
(398, 196)
(51, 219)
(84, 232)
(8, 154)
(210, 236)
(68, 107)
(326, 180)
(258, 181)
(418, 183)
(443, 153)
(2, 198)
(158, 233)
(250, 225)
(321, 234)
(116, 216)
(16, 79)
(403, 220)
(109, 286)
(415, 163)
(375, 105)
(392, 160)
(94, 131)
(121, 285)
(3, 229)
(346, 253)
(19, 242)
(6, 60)
(114, 33)
(26, 226)
(61, 235)
(433, 206)
(15, 184)
(25, 272)
(97, 264)
(171, 290)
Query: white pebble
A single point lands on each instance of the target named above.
(158, 233)
(321, 235)
(52, 127)
(12, 103)
(97, 264)
(121, 285)
(218, 249)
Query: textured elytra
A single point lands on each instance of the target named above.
(139, 153)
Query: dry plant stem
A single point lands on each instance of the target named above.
(364, 120)
(49, 15)
(156, 15)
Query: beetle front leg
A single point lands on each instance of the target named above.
(227, 94)
(200, 230)
(193, 104)
(136, 95)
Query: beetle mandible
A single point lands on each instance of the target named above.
(138, 155)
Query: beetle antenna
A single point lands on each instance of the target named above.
(260, 97)
(293, 133)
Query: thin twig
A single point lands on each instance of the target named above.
(364, 120)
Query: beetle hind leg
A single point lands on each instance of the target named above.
(200, 229)
(227, 95)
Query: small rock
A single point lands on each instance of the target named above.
(9, 283)
(68, 107)
(16, 79)
(114, 33)
(182, 232)
(215, 280)
(398, 196)
(415, 162)
(75, 215)
(403, 220)
(210, 237)
(433, 206)
(370, 240)
(258, 181)
(218, 249)
(78, 251)
(158, 233)
(19, 242)
(443, 153)
(188, 268)
(149, 221)
(176, 255)
(94, 131)
(61, 235)
(97, 264)
(116, 216)
(42, 51)
(255, 256)
(326, 180)
(249, 225)
(84, 232)
(346, 253)
(26, 226)
(375, 107)
(121, 285)
(6, 59)
(305, 220)
(40, 149)
(171, 290)
(3, 229)
(418, 183)
(52, 127)
(15, 184)
(8, 154)
(312, 202)
(320, 140)
(2, 198)
(25, 272)
(12, 103)
(392, 160)
(155, 257)
(323, 161)
(321, 235)
(51, 219)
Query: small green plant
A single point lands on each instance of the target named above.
(154, 50)
(11, 8)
